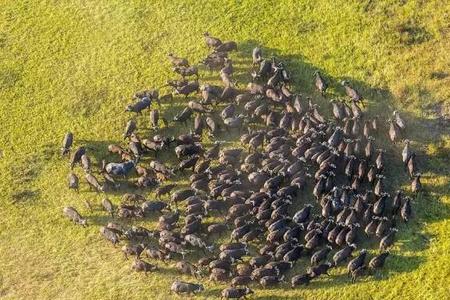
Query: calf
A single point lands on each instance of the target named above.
(74, 215)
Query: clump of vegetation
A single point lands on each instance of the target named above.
(413, 34)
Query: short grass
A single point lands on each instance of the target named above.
(72, 65)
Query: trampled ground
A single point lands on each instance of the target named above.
(73, 65)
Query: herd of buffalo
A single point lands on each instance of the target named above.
(256, 194)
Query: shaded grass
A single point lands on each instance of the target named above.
(67, 65)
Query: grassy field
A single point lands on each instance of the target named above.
(73, 65)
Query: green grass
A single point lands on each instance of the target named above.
(72, 65)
